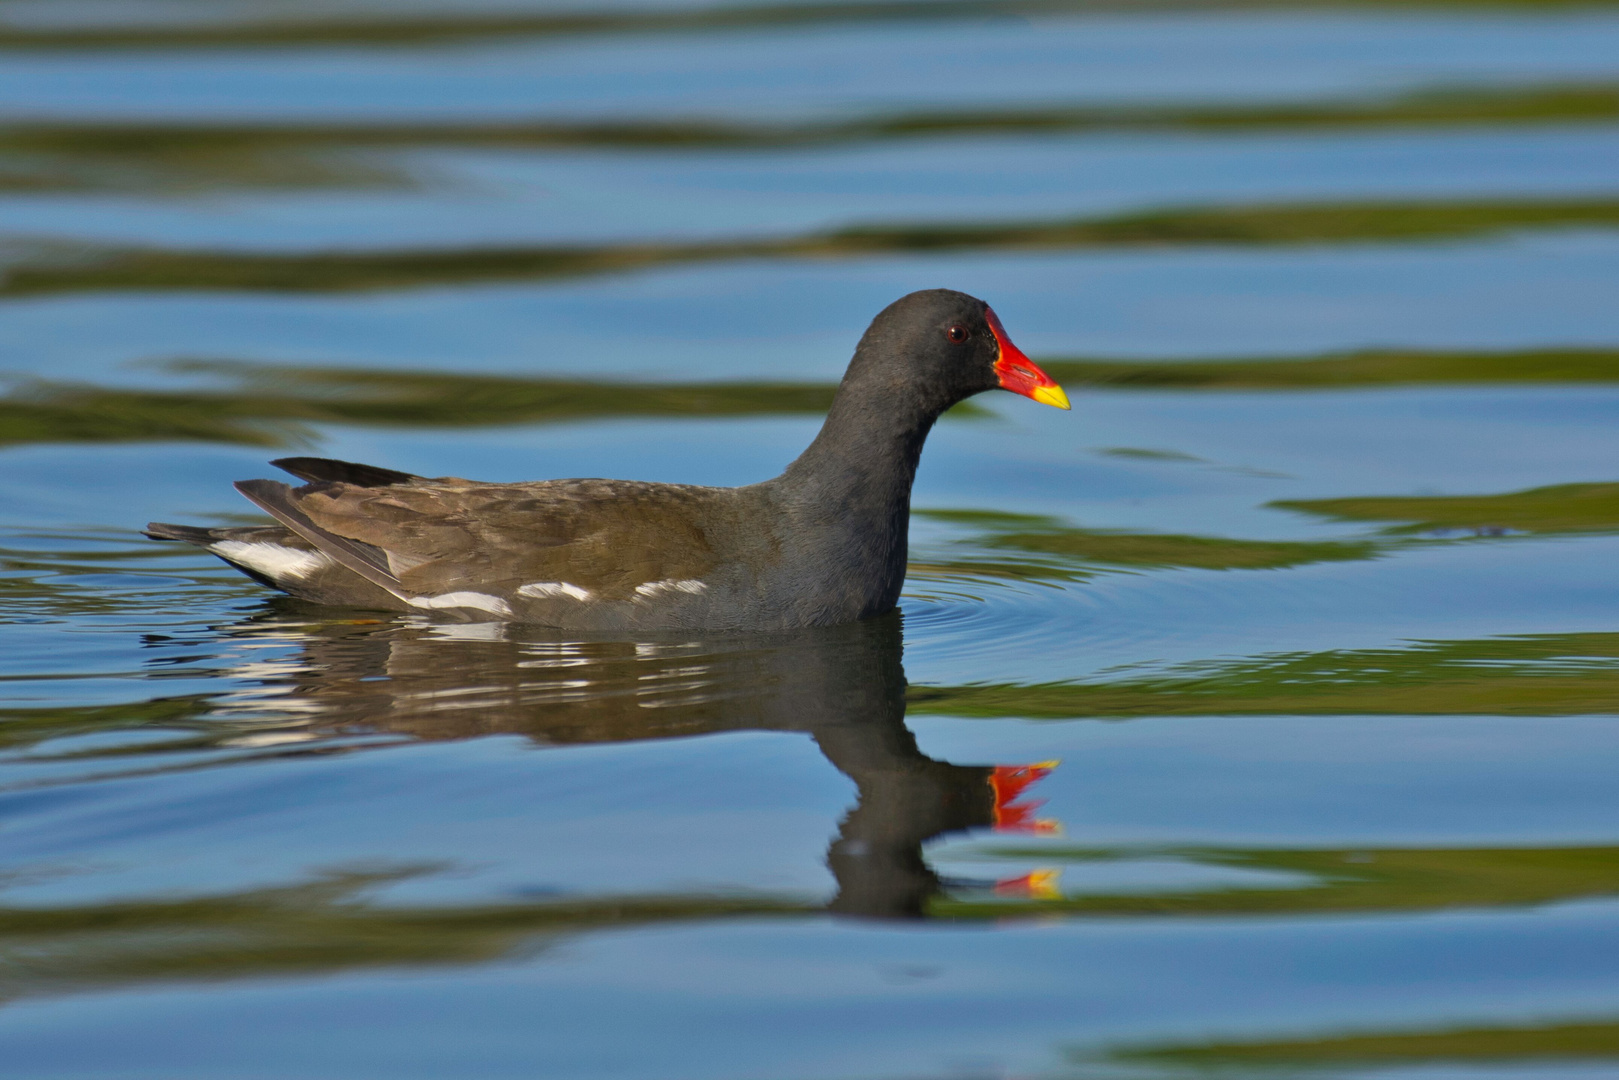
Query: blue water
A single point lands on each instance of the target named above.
(1327, 773)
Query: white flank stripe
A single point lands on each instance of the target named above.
(481, 601)
(653, 588)
(274, 561)
(543, 590)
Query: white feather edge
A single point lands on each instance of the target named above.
(481, 601)
(274, 561)
(277, 561)
(545, 590)
(690, 586)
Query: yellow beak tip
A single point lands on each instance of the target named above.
(1051, 395)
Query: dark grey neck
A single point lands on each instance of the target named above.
(866, 453)
(849, 493)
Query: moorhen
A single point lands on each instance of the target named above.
(823, 543)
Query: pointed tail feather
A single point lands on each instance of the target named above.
(162, 530)
(192, 534)
(330, 470)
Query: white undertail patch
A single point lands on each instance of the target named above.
(650, 589)
(274, 561)
(547, 590)
(481, 601)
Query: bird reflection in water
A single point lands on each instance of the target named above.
(843, 686)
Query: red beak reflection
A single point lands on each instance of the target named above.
(1009, 782)
(1036, 885)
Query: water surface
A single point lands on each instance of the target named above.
(1254, 718)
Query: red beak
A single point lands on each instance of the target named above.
(1018, 373)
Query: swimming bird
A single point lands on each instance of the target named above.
(823, 543)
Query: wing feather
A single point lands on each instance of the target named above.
(440, 537)
(280, 502)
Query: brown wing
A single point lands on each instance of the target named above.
(436, 537)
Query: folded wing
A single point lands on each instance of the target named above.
(426, 541)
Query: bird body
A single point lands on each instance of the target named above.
(823, 543)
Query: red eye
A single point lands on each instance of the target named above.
(958, 334)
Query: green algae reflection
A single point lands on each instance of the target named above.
(71, 267)
(330, 925)
(1037, 548)
(1362, 369)
(1531, 675)
(145, 156)
(316, 928)
(1585, 1042)
(277, 405)
(1560, 508)
(1335, 881)
(357, 29)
